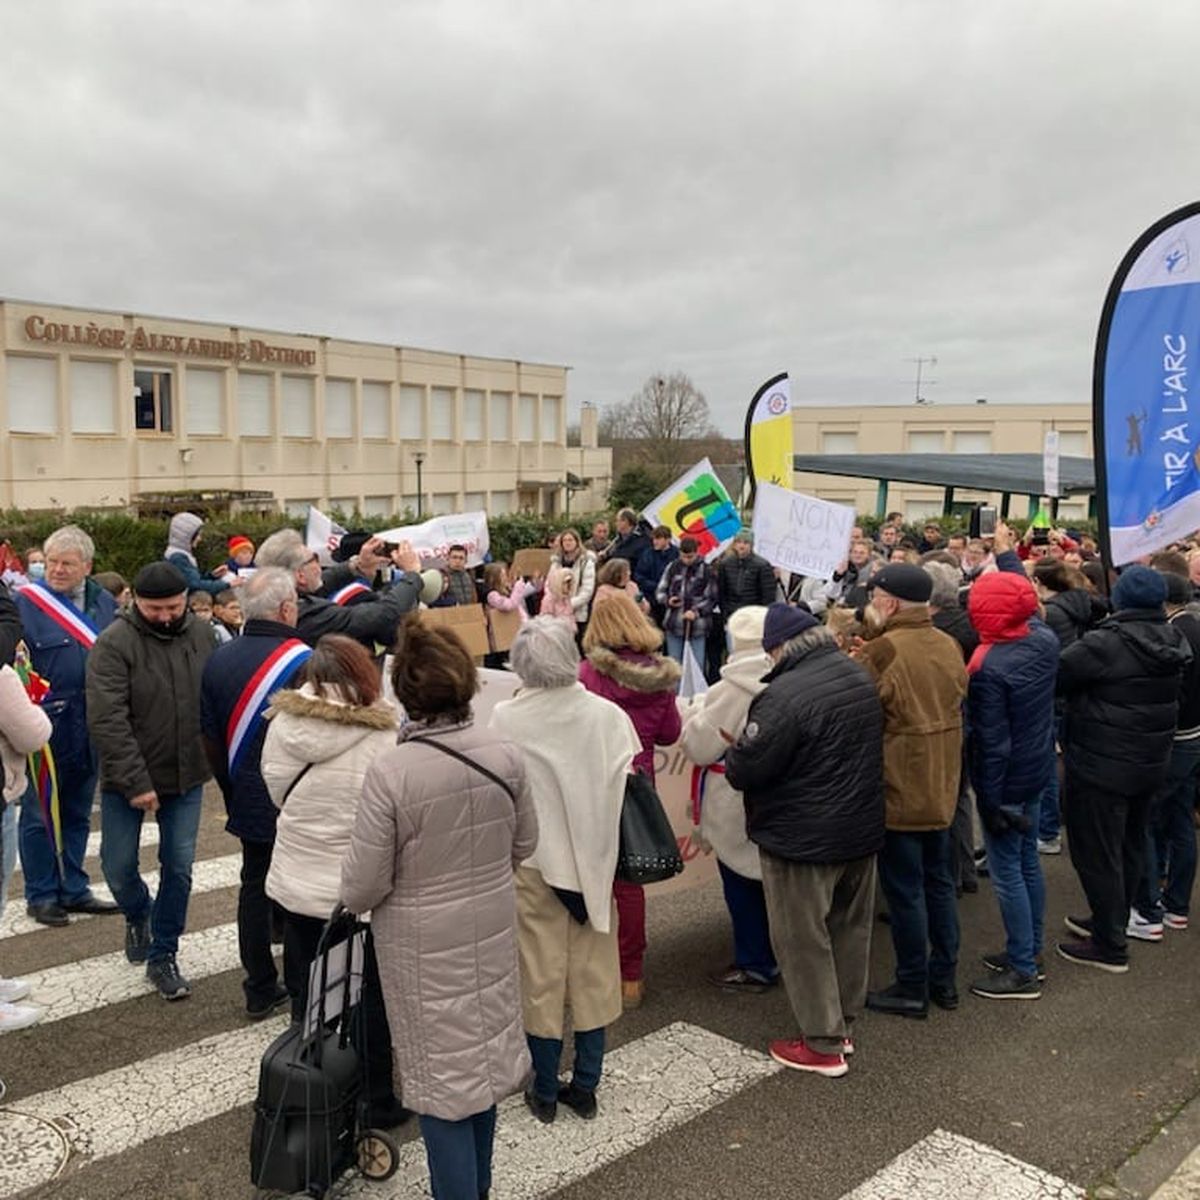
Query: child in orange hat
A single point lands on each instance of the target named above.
(241, 553)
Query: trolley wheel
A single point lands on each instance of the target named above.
(377, 1155)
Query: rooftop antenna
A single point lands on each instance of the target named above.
(922, 363)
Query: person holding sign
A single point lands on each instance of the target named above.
(688, 593)
(62, 616)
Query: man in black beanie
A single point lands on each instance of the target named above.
(143, 708)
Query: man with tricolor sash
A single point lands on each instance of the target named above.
(237, 684)
(62, 616)
(143, 694)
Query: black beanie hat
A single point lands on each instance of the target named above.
(159, 581)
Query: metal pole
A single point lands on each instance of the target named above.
(420, 494)
(947, 502)
(881, 499)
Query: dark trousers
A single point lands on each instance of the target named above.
(1107, 837)
(751, 929)
(1171, 838)
(546, 1052)
(373, 1038)
(254, 925)
(915, 873)
(459, 1154)
(962, 833)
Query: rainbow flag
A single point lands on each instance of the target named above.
(697, 504)
(41, 762)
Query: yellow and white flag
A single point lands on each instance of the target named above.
(769, 435)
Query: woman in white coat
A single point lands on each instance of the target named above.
(24, 727)
(714, 721)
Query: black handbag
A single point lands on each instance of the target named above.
(649, 852)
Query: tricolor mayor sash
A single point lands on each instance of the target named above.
(350, 592)
(279, 667)
(700, 783)
(63, 613)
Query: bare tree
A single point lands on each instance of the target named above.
(668, 412)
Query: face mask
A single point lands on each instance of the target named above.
(37, 570)
(173, 627)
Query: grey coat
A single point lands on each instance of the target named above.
(432, 856)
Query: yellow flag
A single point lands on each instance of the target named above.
(769, 435)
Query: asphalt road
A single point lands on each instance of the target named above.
(1072, 1083)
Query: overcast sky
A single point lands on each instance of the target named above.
(723, 189)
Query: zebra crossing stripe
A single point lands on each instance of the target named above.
(208, 875)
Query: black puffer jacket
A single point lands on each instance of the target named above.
(810, 762)
(744, 581)
(1121, 686)
(1071, 614)
(957, 624)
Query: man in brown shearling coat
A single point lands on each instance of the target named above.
(922, 683)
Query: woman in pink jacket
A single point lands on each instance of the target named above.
(623, 665)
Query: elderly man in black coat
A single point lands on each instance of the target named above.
(810, 766)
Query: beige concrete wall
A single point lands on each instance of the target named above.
(84, 453)
(899, 429)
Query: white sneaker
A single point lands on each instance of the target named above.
(1175, 920)
(1050, 845)
(1143, 930)
(18, 1016)
(12, 990)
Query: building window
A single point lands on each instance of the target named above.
(502, 502)
(152, 408)
(441, 414)
(1072, 510)
(408, 505)
(378, 506)
(205, 391)
(472, 430)
(501, 417)
(297, 406)
(919, 510)
(550, 407)
(474, 502)
(343, 505)
(339, 408)
(973, 441)
(926, 441)
(412, 413)
(527, 419)
(1075, 444)
(442, 504)
(298, 508)
(93, 392)
(377, 410)
(254, 404)
(839, 443)
(32, 394)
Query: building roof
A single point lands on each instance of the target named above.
(1020, 474)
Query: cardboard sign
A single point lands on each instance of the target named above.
(532, 560)
(504, 627)
(467, 620)
(801, 533)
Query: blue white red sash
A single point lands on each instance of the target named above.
(276, 670)
(700, 785)
(352, 590)
(63, 613)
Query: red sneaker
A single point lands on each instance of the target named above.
(801, 1057)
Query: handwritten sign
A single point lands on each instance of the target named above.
(801, 533)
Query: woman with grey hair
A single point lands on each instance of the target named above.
(566, 917)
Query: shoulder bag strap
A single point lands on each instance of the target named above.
(291, 787)
(470, 762)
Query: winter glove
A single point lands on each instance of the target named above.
(994, 819)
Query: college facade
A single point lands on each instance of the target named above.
(99, 408)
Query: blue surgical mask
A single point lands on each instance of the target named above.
(37, 570)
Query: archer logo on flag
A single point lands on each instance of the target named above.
(1176, 258)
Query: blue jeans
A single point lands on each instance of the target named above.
(121, 829)
(1050, 821)
(459, 1154)
(1171, 838)
(8, 850)
(1020, 890)
(915, 872)
(675, 648)
(43, 885)
(545, 1052)
(751, 931)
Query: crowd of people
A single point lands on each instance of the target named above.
(857, 730)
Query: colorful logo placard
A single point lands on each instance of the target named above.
(697, 504)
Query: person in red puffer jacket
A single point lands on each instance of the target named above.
(623, 665)
(1010, 712)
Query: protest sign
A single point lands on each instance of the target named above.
(322, 535)
(504, 627)
(530, 561)
(697, 504)
(467, 620)
(431, 539)
(801, 533)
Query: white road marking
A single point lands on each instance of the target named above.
(149, 838)
(947, 1166)
(650, 1086)
(91, 983)
(208, 875)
